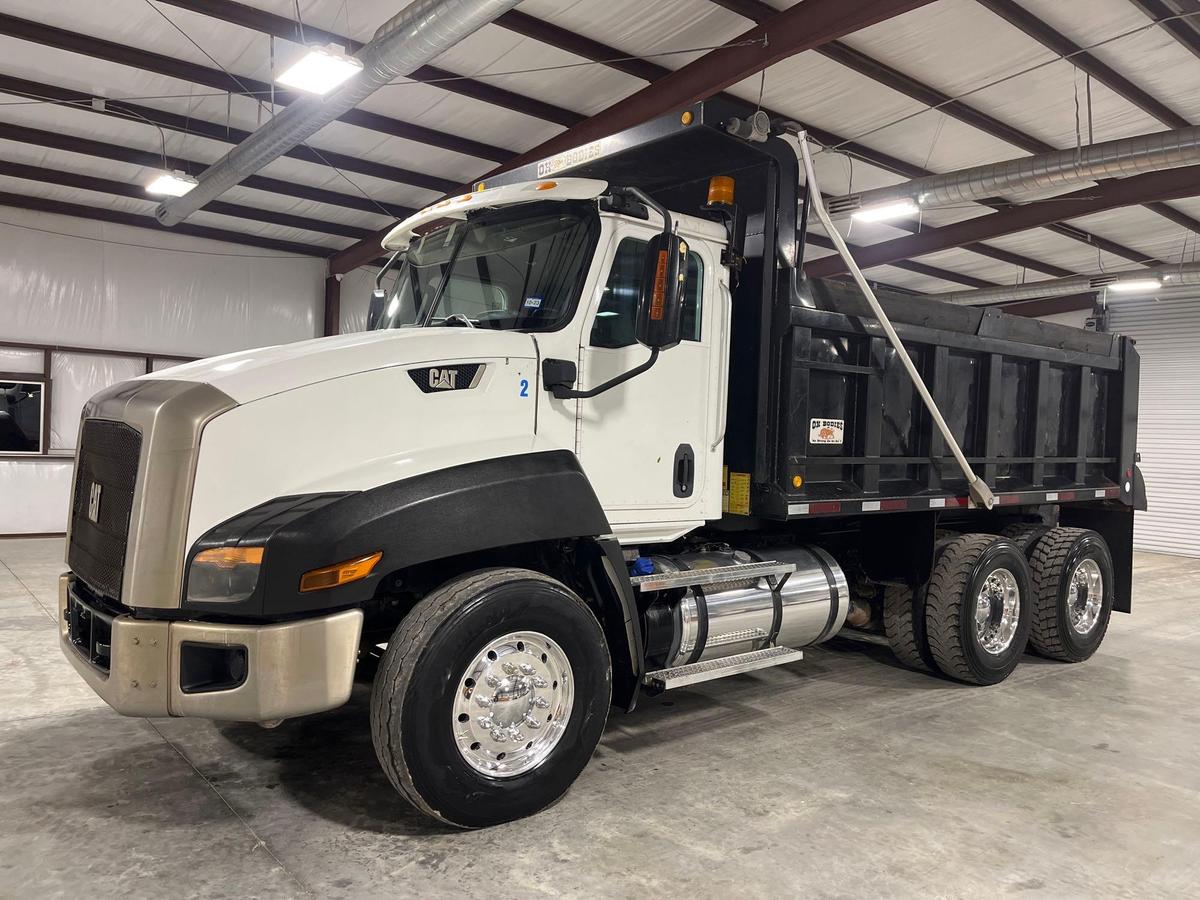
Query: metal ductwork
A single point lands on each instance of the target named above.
(423, 31)
(1046, 171)
(1167, 276)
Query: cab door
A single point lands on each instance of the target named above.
(652, 446)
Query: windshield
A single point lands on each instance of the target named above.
(517, 268)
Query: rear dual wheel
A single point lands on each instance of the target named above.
(1073, 593)
(978, 608)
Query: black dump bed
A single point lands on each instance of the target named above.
(1044, 412)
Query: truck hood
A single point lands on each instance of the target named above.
(253, 374)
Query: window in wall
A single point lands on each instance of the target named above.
(614, 325)
(22, 414)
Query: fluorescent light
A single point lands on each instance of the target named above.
(320, 70)
(171, 184)
(886, 211)
(1136, 285)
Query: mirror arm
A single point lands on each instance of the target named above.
(564, 392)
(645, 199)
(387, 267)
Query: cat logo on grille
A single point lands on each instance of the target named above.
(443, 379)
(93, 510)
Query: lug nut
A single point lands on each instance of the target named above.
(509, 668)
(541, 702)
(499, 736)
(526, 669)
(484, 701)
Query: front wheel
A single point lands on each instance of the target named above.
(491, 697)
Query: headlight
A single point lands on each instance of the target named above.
(224, 574)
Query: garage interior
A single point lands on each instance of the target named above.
(846, 773)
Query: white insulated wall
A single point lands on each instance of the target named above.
(1167, 332)
(82, 283)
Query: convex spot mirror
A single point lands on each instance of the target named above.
(664, 284)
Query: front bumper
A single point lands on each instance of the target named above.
(292, 668)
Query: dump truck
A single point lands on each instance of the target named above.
(603, 439)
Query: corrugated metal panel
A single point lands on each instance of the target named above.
(1167, 334)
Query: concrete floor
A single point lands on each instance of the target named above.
(841, 776)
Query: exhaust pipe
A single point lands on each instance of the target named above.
(1167, 276)
(424, 30)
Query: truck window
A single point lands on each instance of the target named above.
(520, 268)
(614, 325)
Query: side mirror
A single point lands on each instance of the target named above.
(664, 283)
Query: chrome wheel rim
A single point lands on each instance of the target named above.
(513, 704)
(1085, 596)
(997, 611)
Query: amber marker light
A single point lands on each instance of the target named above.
(229, 557)
(546, 186)
(339, 573)
(720, 190)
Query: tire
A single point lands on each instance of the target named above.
(420, 685)
(953, 598)
(1058, 556)
(904, 625)
(1025, 535)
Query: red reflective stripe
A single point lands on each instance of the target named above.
(1066, 495)
(893, 504)
(956, 501)
(1008, 499)
(827, 507)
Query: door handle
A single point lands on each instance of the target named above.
(684, 473)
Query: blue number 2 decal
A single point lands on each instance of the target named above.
(524, 388)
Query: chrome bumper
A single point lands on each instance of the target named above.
(292, 668)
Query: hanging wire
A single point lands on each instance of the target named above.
(300, 24)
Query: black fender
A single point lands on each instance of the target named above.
(461, 509)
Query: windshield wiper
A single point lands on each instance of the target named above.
(459, 318)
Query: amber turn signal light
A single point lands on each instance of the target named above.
(229, 557)
(340, 573)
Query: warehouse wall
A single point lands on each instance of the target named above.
(79, 283)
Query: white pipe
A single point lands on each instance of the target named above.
(981, 494)
(422, 31)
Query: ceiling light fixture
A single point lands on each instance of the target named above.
(171, 184)
(1136, 286)
(320, 70)
(884, 211)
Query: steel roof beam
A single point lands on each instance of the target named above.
(932, 97)
(122, 109)
(121, 54)
(289, 30)
(1183, 30)
(801, 27)
(1024, 20)
(102, 150)
(137, 192)
(1170, 184)
(96, 213)
(908, 265)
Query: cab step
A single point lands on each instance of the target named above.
(661, 581)
(667, 679)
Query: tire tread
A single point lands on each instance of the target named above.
(1048, 562)
(943, 603)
